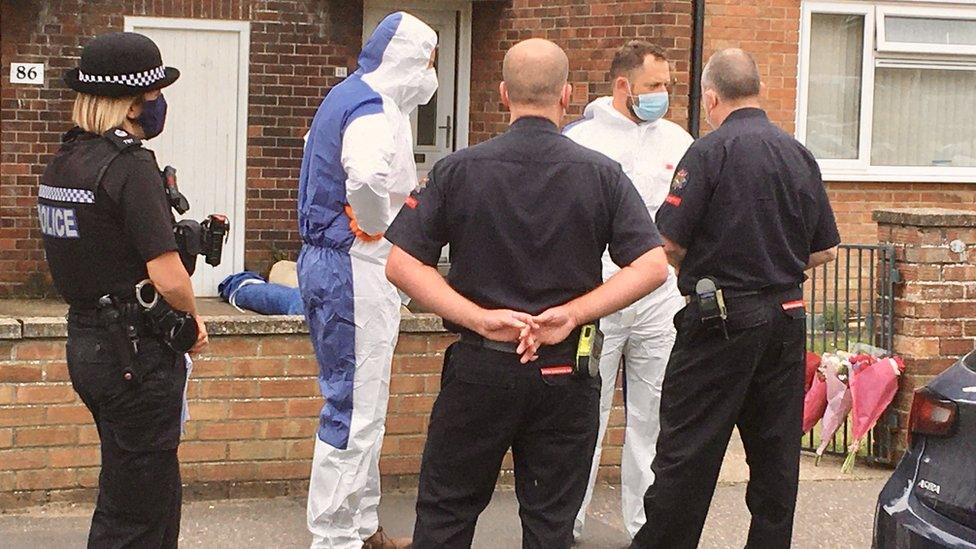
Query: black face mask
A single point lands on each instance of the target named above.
(153, 117)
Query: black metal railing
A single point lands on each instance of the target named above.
(850, 304)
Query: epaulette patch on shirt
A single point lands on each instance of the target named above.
(122, 139)
(679, 180)
(413, 199)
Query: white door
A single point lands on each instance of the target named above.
(434, 124)
(206, 125)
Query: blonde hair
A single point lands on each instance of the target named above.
(99, 114)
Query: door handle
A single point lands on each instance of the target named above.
(447, 128)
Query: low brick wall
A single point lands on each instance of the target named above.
(935, 301)
(254, 404)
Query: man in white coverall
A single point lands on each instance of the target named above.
(629, 127)
(357, 171)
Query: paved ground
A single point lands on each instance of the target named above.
(833, 510)
(830, 514)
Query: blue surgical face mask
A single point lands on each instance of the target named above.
(153, 117)
(650, 106)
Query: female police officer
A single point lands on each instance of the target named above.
(106, 226)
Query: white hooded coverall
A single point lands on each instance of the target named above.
(643, 333)
(357, 171)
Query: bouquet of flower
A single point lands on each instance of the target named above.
(836, 371)
(872, 389)
(813, 363)
(815, 401)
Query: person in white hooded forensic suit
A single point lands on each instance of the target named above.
(357, 170)
(630, 128)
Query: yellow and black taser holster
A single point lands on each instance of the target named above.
(588, 351)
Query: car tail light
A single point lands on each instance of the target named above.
(931, 415)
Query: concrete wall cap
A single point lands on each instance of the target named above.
(926, 217)
(57, 327)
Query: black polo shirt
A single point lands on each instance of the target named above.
(528, 215)
(749, 205)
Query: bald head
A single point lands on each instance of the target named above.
(732, 74)
(535, 72)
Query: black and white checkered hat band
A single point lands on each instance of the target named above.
(137, 80)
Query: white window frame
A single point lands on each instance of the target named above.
(913, 12)
(860, 169)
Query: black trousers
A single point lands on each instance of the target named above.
(752, 380)
(489, 403)
(139, 488)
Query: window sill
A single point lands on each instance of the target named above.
(904, 175)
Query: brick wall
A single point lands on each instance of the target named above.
(589, 32)
(254, 403)
(935, 304)
(295, 46)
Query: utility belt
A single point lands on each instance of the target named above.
(579, 354)
(712, 300)
(132, 317)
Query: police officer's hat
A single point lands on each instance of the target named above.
(120, 64)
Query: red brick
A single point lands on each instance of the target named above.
(300, 449)
(257, 409)
(221, 471)
(405, 425)
(305, 407)
(56, 371)
(203, 451)
(400, 465)
(6, 438)
(921, 347)
(257, 367)
(961, 273)
(225, 388)
(273, 388)
(8, 394)
(68, 414)
(289, 428)
(208, 410)
(931, 367)
(45, 394)
(20, 458)
(955, 347)
(76, 456)
(46, 479)
(256, 450)
(302, 366)
(88, 477)
(286, 469)
(39, 349)
(46, 436)
(957, 310)
(227, 430)
(87, 434)
(405, 384)
(20, 373)
(286, 346)
(22, 415)
(417, 364)
(231, 346)
(411, 344)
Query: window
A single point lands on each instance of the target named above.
(886, 91)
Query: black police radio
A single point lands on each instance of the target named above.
(711, 303)
(194, 238)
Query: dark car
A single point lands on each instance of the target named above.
(930, 500)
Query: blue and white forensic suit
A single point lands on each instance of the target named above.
(358, 162)
(641, 335)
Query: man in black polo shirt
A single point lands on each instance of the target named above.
(527, 216)
(749, 211)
